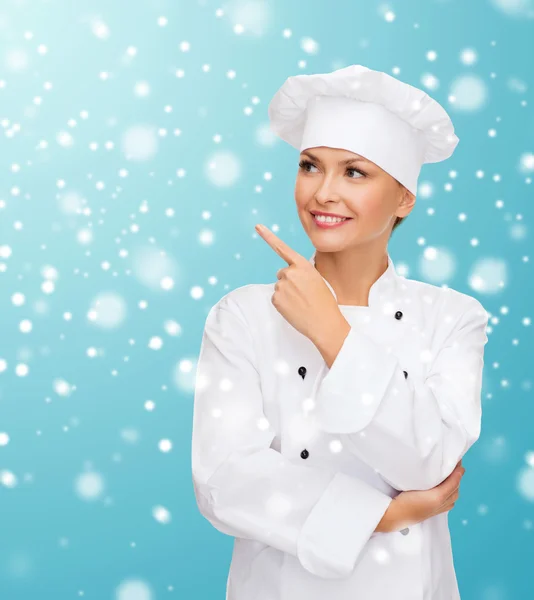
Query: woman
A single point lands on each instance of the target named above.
(333, 408)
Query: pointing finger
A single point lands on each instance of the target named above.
(280, 247)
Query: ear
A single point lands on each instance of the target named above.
(406, 203)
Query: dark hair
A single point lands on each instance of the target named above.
(398, 221)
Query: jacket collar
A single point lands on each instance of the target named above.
(381, 288)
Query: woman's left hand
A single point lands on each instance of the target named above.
(301, 295)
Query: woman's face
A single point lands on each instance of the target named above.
(338, 181)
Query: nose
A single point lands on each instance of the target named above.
(326, 192)
(326, 187)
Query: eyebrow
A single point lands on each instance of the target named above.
(341, 162)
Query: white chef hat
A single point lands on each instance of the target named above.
(391, 123)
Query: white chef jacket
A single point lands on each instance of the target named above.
(299, 462)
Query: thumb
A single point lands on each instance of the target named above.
(450, 483)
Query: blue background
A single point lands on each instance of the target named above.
(134, 169)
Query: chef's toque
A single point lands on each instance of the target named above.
(391, 123)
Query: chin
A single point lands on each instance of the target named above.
(322, 245)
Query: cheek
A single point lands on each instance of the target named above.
(369, 205)
(302, 193)
(378, 210)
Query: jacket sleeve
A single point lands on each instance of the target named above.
(247, 489)
(413, 431)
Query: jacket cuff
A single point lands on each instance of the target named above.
(339, 526)
(351, 392)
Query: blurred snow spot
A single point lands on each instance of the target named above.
(223, 169)
(526, 162)
(309, 45)
(525, 483)
(70, 203)
(152, 267)
(468, 93)
(89, 486)
(161, 514)
(264, 135)
(108, 310)
(516, 8)
(488, 275)
(19, 565)
(184, 375)
(437, 265)
(62, 387)
(8, 478)
(131, 436)
(16, 60)
(133, 589)
(140, 142)
(252, 16)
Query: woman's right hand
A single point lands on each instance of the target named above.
(412, 507)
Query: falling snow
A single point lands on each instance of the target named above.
(138, 157)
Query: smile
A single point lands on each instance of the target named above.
(329, 222)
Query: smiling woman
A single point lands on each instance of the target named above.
(333, 405)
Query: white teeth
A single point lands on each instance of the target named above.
(324, 219)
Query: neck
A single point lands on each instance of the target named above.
(352, 272)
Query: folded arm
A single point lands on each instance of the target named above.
(247, 489)
(412, 430)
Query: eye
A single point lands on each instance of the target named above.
(356, 171)
(303, 164)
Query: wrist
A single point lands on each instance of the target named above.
(330, 338)
(390, 519)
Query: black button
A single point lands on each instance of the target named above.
(405, 531)
(304, 454)
(302, 372)
(405, 374)
(398, 315)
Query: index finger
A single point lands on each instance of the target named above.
(280, 247)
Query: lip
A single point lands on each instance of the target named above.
(327, 214)
(330, 225)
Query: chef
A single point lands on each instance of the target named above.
(322, 397)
